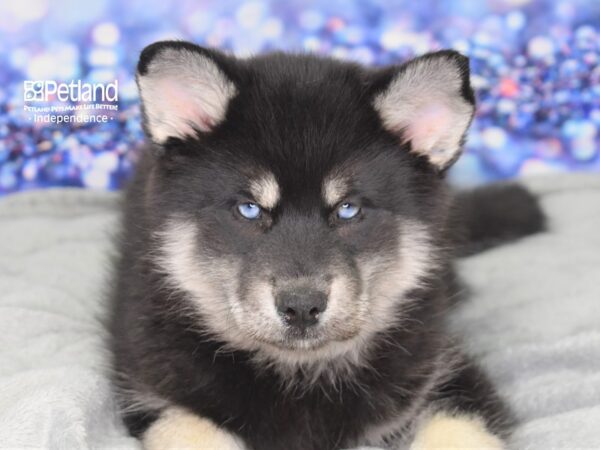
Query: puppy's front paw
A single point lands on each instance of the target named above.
(446, 432)
(179, 429)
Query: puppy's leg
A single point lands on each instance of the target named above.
(443, 431)
(467, 414)
(179, 429)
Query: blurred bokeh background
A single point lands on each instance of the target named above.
(535, 66)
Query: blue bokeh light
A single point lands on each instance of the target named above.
(535, 66)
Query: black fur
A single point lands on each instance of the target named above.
(299, 116)
(495, 214)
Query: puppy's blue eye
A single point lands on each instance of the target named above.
(347, 211)
(249, 210)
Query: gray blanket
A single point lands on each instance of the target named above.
(533, 320)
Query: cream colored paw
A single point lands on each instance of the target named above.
(446, 432)
(179, 429)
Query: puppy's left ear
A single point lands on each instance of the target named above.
(429, 103)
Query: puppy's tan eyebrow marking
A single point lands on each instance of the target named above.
(265, 190)
(334, 189)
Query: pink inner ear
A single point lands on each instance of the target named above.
(184, 109)
(428, 125)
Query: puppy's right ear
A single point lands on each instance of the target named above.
(183, 88)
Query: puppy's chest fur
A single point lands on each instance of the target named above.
(375, 403)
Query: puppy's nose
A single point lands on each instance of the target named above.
(301, 308)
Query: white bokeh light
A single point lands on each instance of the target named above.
(27, 10)
(106, 33)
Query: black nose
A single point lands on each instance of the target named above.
(301, 308)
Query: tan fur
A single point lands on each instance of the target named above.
(334, 189)
(182, 430)
(447, 432)
(266, 191)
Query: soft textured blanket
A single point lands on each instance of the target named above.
(533, 320)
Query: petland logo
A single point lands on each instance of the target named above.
(75, 91)
(75, 103)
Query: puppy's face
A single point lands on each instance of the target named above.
(297, 197)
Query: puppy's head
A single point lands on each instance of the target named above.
(298, 199)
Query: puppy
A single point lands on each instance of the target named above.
(285, 263)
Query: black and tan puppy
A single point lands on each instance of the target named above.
(285, 263)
